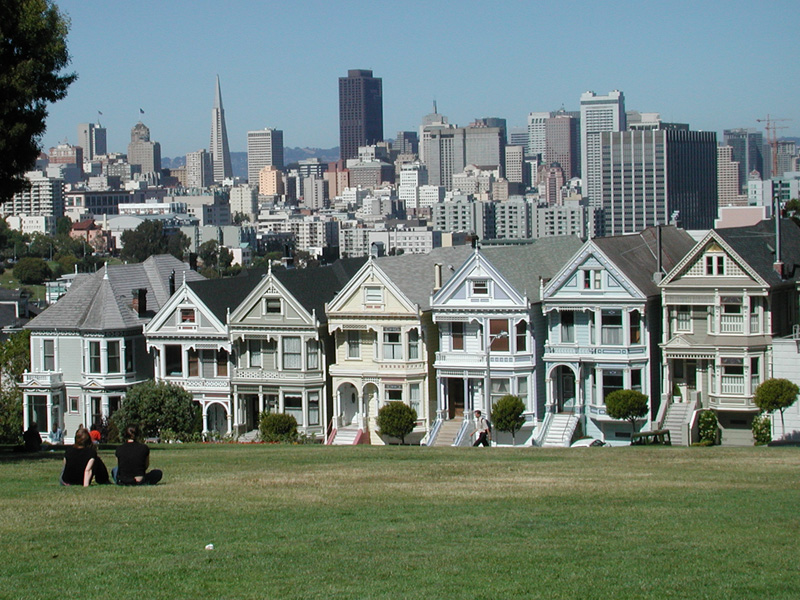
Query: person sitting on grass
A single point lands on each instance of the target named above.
(133, 460)
(81, 462)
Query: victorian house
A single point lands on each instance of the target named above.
(603, 328)
(491, 334)
(385, 341)
(723, 305)
(189, 341)
(281, 348)
(89, 348)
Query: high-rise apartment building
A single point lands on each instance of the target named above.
(360, 112)
(270, 181)
(220, 153)
(748, 151)
(199, 169)
(515, 164)
(598, 114)
(264, 148)
(658, 176)
(92, 138)
(142, 151)
(244, 201)
(44, 197)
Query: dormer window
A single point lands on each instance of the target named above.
(272, 306)
(592, 279)
(187, 316)
(480, 287)
(373, 295)
(715, 264)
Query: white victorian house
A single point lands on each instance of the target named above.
(384, 341)
(189, 341)
(603, 332)
(89, 347)
(281, 347)
(490, 331)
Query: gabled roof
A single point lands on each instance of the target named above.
(636, 255)
(756, 245)
(102, 301)
(314, 287)
(221, 294)
(523, 266)
(413, 274)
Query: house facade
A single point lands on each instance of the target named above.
(384, 342)
(723, 305)
(490, 331)
(89, 348)
(281, 348)
(191, 346)
(603, 322)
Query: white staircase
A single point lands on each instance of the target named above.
(250, 436)
(345, 436)
(677, 421)
(448, 432)
(559, 433)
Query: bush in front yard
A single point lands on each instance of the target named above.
(397, 420)
(762, 429)
(708, 427)
(277, 427)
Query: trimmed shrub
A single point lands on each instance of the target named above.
(159, 407)
(708, 427)
(507, 415)
(762, 430)
(396, 419)
(277, 427)
(626, 405)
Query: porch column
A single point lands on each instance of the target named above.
(26, 407)
(234, 414)
(205, 417)
(468, 408)
(49, 410)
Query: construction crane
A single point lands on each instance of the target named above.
(772, 139)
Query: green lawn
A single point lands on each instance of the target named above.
(405, 522)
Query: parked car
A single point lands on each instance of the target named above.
(587, 443)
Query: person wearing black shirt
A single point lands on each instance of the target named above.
(81, 462)
(133, 460)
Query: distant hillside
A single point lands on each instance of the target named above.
(239, 159)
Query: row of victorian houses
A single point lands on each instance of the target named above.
(558, 322)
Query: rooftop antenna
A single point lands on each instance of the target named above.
(99, 114)
(435, 110)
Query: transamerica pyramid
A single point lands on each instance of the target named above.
(220, 153)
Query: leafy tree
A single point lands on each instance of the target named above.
(277, 427)
(33, 54)
(31, 270)
(507, 415)
(209, 253)
(151, 238)
(396, 419)
(225, 258)
(15, 359)
(159, 406)
(627, 405)
(776, 394)
(63, 226)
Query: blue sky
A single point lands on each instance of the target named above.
(710, 63)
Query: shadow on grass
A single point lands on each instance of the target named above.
(15, 454)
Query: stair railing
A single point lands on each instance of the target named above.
(429, 439)
(463, 433)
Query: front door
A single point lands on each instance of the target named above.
(455, 398)
(565, 390)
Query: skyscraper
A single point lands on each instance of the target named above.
(598, 114)
(143, 152)
(92, 138)
(650, 177)
(561, 135)
(220, 153)
(199, 169)
(360, 112)
(264, 148)
(748, 151)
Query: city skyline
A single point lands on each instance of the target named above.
(715, 66)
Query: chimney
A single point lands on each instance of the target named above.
(658, 275)
(777, 266)
(172, 283)
(139, 303)
(437, 277)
